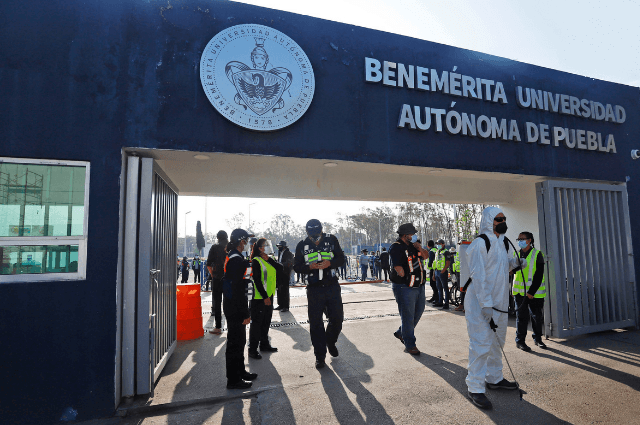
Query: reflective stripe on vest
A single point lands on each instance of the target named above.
(440, 260)
(268, 277)
(433, 265)
(529, 271)
(456, 263)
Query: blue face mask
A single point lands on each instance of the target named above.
(439, 246)
(522, 244)
(414, 238)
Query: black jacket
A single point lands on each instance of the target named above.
(384, 260)
(328, 243)
(216, 258)
(235, 284)
(286, 259)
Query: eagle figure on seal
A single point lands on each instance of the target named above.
(258, 89)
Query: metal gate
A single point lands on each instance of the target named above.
(585, 233)
(149, 275)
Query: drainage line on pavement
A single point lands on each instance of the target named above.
(155, 410)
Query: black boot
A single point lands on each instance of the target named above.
(480, 400)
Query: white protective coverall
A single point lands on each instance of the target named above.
(489, 288)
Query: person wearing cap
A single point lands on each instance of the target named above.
(185, 269)
(441, 267)
(319, 256)
(285, 257)
(431, 247)
(407, 284)
(364, 264)
(237, 278)
(215, 265)
(195, 265)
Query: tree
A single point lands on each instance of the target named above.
(200, 243)
(236, 221)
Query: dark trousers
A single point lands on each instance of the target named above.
(328, 300)
(185, 276)
(434, 286)
(236, 340)
(196, 275)
(283, 295)
(363, 269)
(533, 309)
(386, 273)
(442, 281)
(216, 304)
(260, 322)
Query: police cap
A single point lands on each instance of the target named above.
(240, 234)
(314, 227)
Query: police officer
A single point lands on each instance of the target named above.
(364, 264)
(408, 284)
(185, 270)
(237, 278)
(318, 256)
(431, 247)
(530, 297)
(441, 266)
(285, 257)
(195, 265)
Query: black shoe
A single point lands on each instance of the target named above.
(480, 400)
(247, 376)
(502, 385)
(438, 305)
(320, 363)
(541, 344)
(399, 336)
(430, 300)
(284, 310)
(445, 307)
(268, 348)
(435, 301)
(523, 346)
(240, 385)
(333, 350)
(254, 354)
(278, 308)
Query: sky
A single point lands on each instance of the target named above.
(598, 39)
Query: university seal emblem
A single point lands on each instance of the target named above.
(257, 77)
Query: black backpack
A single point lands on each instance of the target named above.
(487, 243)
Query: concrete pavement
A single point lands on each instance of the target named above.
(590, 379)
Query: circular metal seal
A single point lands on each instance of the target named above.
(257, 77)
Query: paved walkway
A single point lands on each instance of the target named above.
(584, 380)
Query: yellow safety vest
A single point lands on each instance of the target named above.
(268, 277)
(440, 261)
(529, 271)
(456, 263)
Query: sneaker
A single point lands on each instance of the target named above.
(320, 363)
(413, 351)
(398, 335)
(268, 348)
(247, 376)
(522, 346)
(240, 385)
(480, 400)
(541, 344)
(438, 304)
(333, 350)
(254, 354)
(502, 385)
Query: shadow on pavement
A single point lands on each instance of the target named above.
(507, 408)
(334, 383)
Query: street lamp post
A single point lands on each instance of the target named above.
(253, 203)
(379, 235)
(185, 233)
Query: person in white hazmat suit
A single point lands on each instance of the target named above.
(488, 297)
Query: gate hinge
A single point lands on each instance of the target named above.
(551, 326)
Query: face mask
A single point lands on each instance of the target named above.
(414, 238)
(315, 238)
(501, 228)
(522, 244)
(439, 246)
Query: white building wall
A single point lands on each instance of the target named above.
(522, 212)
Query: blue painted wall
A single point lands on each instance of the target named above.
(79, 80)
